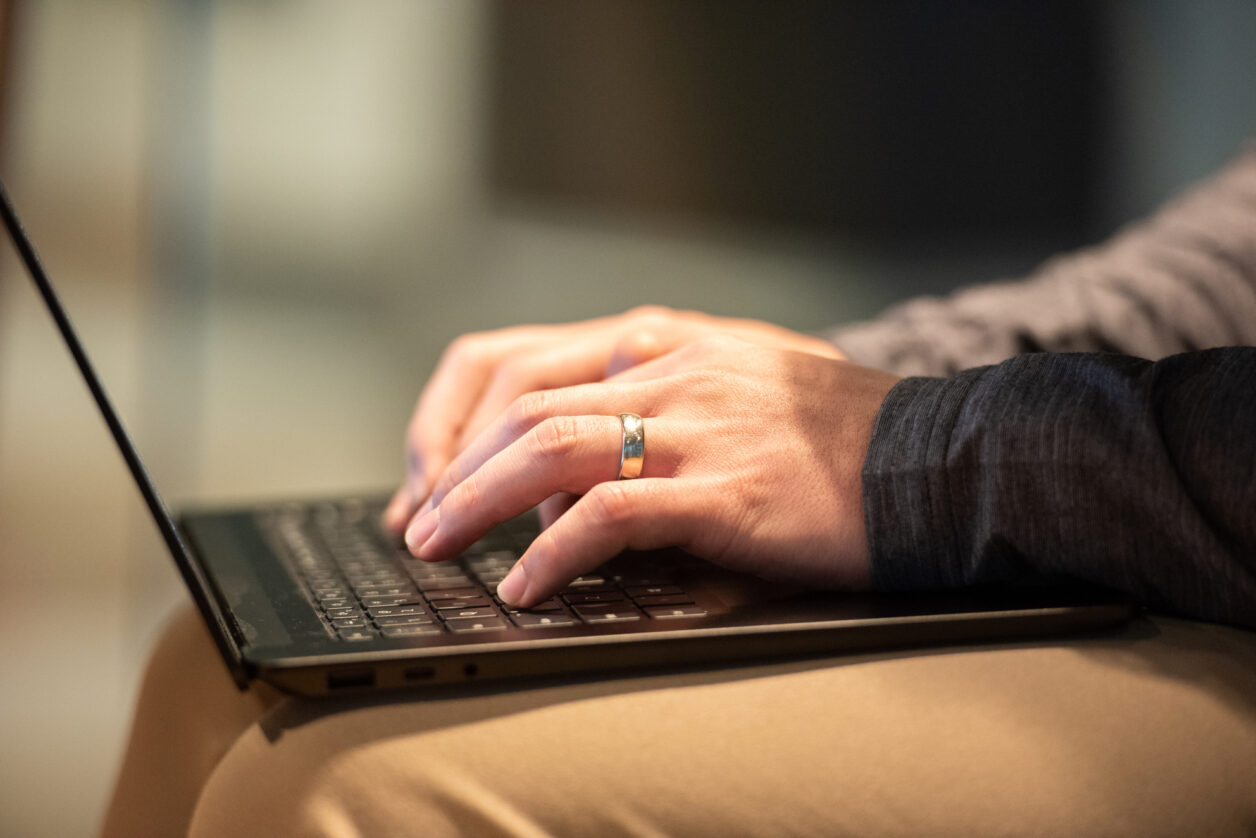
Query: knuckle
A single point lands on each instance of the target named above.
(447, 482)
(512, 370)
(610, 505)
(651, 311)
(527, 410)
(653, 318)
(463, 349)
(556, 437)
(466, 495)
(472, 353)
(518, 374)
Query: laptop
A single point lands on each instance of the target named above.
(315, 598)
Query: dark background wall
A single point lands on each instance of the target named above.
(891, 118)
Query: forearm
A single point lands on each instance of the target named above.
(1124, 472)
(1183, 280)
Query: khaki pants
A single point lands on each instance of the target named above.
(1147, 731)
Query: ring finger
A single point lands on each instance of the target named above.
(560, 454)
(529, 411)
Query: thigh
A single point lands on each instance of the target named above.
(1148, 731)
(188, 715)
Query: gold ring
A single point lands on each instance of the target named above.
(633, 453)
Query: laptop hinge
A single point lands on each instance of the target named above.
(224, 630)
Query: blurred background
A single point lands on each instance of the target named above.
(267, 218)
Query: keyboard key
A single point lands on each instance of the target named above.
(373, 575)
(671, 612)
(594, 589)
(461, 603)
(548, 605)
(423, 570)
(384, 590)
(400, 599)
(607, 613)
(664, 599)
(587, 581)
(411, 630)
(491, 587)
(356, 634)
(368, 571)
(344, 613)
(594, 596)
(408, 620)
(652, 590)
(528, 620)
(453, 593)
(337, 602)
(396, 611)
(380, 580)
(468, 614)
(444, 583)
(472, 626)
(349, 622)
(352, 511)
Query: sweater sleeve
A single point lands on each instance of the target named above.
(1183, 280)
(1107, 468)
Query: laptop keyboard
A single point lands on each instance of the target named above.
(365, 585)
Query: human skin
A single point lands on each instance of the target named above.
(753, 460)
(480, 374)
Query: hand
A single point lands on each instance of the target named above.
(481, 374)
(753, 458)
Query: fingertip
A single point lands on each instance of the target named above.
(513, 588)
(421, 530)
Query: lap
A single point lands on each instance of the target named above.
(1151, 730)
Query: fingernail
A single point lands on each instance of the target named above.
(512, 587)
(421, 530)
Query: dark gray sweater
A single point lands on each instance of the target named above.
(1069, 453)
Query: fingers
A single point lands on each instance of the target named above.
(571, 454)
(527, 369)
(642, 514)
(552, 508)
(449, 396)
(528, 411)
(479, 375)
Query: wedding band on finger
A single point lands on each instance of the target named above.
(633, 453)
